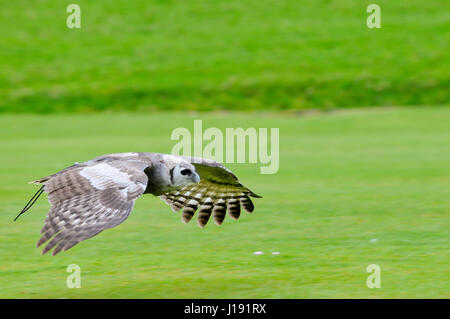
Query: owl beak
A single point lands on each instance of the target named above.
(195, 178)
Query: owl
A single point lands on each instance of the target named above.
(87, 198)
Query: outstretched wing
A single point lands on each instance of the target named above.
(217, 192)
(89, 198)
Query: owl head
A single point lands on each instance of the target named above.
(183, 174)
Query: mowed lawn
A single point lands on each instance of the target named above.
(215, 55)
(354, 188)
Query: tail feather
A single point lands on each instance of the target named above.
(40, 181)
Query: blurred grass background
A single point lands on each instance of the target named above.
(230, 55)
(354, 188)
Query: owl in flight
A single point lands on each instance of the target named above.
(90, 197)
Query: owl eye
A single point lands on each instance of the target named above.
(185, 171)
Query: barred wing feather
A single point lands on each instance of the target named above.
(217, 192)
(88, 199)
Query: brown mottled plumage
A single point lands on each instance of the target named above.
(90, 197)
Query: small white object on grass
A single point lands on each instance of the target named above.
(374, 240)
(276, 253)
(258, 253)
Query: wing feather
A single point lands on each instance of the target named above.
(218, 191)
(89, 198)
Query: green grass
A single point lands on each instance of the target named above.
(345, 178)
(211, 55)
